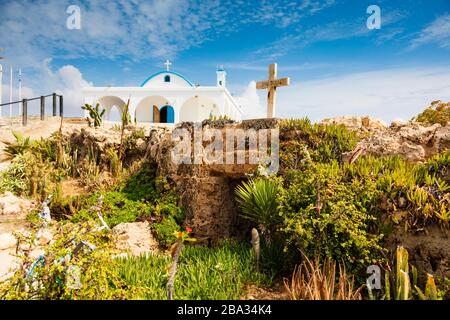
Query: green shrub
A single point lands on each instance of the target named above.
(13, 179)
(437, 112)
(164, 231)
(329, 217)
(141, 184)
(116, 209)
(301, 141)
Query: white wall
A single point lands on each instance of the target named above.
(198, 109)
(186, 108)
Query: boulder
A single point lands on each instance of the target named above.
(13, 205)
(7, 241)
(8, 263)
(134, 238)
(44, 237)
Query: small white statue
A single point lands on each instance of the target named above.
(45, 213)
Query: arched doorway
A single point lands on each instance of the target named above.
(148, 110)
(156, 115)
(115, 114)
(167, 114)
(113, 107)
(198, 108)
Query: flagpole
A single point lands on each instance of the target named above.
(1, 87)
(20, 91)
(10, 90)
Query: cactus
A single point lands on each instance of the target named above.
(256, 246)
(414, 273)
(402, 285)
(430, 290)
(95, 114)
(387, 284)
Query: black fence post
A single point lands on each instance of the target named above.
(54, 104)
(61, 106)
(24, 112)
(42, 108)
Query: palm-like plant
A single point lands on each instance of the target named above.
(17, 147)
(258, 202)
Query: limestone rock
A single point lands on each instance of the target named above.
(7, 241)
(12, 205)
(36, 253)
(357, 123)
(134, 238)
(8, 263)
(45, 237)
(413, 142)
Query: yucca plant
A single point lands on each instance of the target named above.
(258, 202)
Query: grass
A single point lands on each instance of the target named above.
(203, 273)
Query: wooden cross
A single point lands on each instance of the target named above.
(271, 86)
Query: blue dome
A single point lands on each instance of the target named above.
(167, 72)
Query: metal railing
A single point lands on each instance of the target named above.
(24, 103)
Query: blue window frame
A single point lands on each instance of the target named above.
(167, 78)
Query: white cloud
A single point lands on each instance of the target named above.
(250, 103)
(134, 29)
(437, 32)
(67, 81)
(72, 84)
(385, 94)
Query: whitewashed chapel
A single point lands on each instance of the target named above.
(168, 97)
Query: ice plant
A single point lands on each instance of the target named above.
(181, 236)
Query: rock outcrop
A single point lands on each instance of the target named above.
(357, 123)
(134, 238)
(413, 142)
(13, 205)
(206, 190)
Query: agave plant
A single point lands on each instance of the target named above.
(258, 202)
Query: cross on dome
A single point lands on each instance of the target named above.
(167, 64)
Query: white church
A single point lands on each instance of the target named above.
(168, 97)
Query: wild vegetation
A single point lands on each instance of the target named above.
(322, 220)
(437, 112)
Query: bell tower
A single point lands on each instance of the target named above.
(221, 76)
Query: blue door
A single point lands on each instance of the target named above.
(167, 115)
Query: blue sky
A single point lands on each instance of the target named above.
(336, 64)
